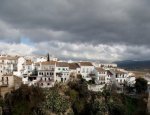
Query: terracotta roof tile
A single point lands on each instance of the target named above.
(119, 72)
(9, 58)
(100, 69)
(85, 64)
(73, 65)
(48, 63)
(62, 64)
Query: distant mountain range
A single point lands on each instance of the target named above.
(130, 64)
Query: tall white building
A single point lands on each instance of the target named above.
(86, 70)
(8, 64)
(62, 72)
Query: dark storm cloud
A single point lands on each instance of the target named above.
(78, 29)
(96, 21)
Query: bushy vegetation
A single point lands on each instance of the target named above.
(72, 99)
(140, 85)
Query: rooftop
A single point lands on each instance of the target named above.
(73, 65)
(99, 69)
(48, 63)
(85, 64)
(62, 64)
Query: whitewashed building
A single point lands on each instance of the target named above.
(62, 72)
(86, 70)
(45, 75)
(74, 69)
(120, 76)
(102, 76)
(8, 64)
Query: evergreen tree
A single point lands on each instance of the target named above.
(48, 59)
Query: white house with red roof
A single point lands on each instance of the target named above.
(86, 70)
(62, 72)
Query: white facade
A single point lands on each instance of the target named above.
(24, 67)
(103, 76)
(120, 76)
(62, 72)
(8, 64)
(86, 68)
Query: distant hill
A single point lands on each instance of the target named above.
(130, 64)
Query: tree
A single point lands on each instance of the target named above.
(98, 107)
(56, 103)
(141, 85)
(25, 100)
(35, 72)
(48, 58)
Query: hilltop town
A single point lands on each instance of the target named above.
(46, 85)
(46, 71)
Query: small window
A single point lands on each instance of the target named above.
(7, 78)
(116, 76)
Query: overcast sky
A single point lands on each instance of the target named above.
(108, 30)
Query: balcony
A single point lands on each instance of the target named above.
(4, 84)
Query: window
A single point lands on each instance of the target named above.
(47, 83)
(61, 79)
(45, 79)
(7, 79)
(47, 73)
(116, 76)
(41, 84)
